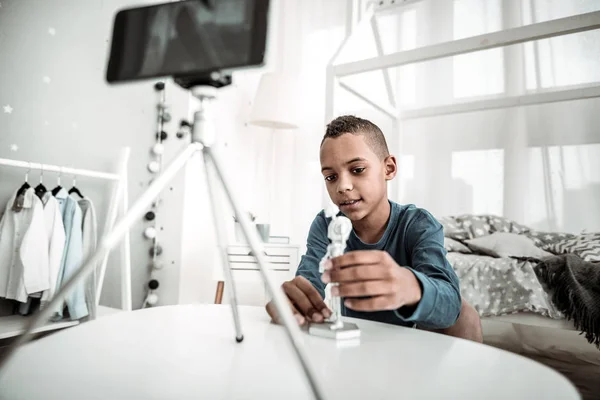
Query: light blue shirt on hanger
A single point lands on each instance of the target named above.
(72, 255)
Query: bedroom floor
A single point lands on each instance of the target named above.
(584, 375)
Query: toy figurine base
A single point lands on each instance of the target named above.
(348, 331)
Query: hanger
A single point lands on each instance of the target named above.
(26, 184)
(40, 190)
(74, 189)
(58, 188)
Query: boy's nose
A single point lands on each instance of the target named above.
(344, 185)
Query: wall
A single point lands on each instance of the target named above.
(75, 119)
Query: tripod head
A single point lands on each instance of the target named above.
(214, 79)
(204, 89)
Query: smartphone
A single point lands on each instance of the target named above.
(190, 38)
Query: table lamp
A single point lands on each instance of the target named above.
(275, 107)
(276, 103)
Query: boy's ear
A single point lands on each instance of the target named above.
(391, 167)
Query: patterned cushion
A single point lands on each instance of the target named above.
(453, 229)
(515, 227)
(499, 224)
(502, 224)
(586, 246)
(468, 226)
(475, 225)
(543, 239)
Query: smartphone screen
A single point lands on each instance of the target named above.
(187, 38)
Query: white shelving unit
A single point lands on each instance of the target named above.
(251, 291)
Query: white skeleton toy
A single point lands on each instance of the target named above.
(338, 233)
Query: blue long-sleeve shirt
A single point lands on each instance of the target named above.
(72, 255)
(414, 239)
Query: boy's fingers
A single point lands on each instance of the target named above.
(356, 274)
(313, 295)
(359, 257)
(360, 289)
(301, 301)
(272, 311)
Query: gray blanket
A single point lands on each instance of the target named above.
(575, 290)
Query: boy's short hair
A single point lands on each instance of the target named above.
(358, 126)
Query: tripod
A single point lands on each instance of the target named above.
(203, 139)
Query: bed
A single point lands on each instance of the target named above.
(498, 263)
(500, 266)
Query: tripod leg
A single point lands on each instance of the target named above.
(108, 242)
(279, 299)
(222, 243)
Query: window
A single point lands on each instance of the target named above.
(480, 73)
(564, 188)
(481, 173)
(398, 33)
(564, 60)
(407, 76)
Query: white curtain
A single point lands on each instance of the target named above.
(539, 165)
(309, 32)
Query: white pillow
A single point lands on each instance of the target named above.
(503, 245)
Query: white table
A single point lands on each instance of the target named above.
(189, 352)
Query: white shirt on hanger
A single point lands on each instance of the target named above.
(55, 231)
(23, 249)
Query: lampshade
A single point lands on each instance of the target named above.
(276, 103)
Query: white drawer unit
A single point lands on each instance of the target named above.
(282, 260)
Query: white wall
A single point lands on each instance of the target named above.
(77, 119)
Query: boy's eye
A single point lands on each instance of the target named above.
(330, 178)
(358, 170)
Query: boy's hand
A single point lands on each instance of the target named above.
(374, 274)
(305, 301)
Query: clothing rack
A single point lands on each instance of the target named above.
(119, 203)
(61, 170)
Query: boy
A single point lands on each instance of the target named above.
(395, 268)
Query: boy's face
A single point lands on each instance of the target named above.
(355, 177)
